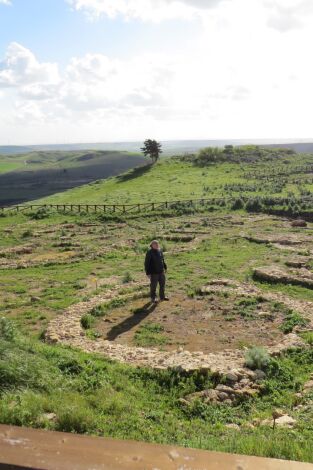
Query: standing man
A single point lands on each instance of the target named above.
(156, 268)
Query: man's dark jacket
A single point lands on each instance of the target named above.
(154, 262)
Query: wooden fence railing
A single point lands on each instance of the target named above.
(30, 449)
(113, 208)
(140, 207)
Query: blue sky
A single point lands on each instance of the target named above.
(104, 70)
(55, 32)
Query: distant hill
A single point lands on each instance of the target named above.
(34, 175)
(13, 149)
(170, 147)
(304, 147)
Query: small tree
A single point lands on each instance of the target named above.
(153, 149)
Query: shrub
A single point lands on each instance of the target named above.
(103, 309)
(292, 319)
(99, 311)
(42, 213)
(127, 278)
(254, 205)
(210, 155)
(86, 321)
(257, 358)
(27, 234)
(308, 338)
(75, 419)
(237, 204)
(7, 330)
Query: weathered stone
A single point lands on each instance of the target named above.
(277, 414)
(66, 329)
(275, 274)
(211, 396)
(259, 374)
(231, 377)
(285, 421)
(223, 396)
(233, 426)
(248, 426)
(224, 388)
(308, 386)
(299, 223)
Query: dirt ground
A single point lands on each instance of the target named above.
(208, 324)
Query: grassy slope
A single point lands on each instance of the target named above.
(92, 395)
(172, 179)
(38, 174)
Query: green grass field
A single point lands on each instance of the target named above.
(180, 179)
(50, 261)
(5, 167)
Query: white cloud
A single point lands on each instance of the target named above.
(239, 77)
(5, 2)
(151, 10)
(286, 15)
(20, 68)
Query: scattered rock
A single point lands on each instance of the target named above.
(259, 374)
(248, 426)
(232, 377)
(277, 414)
(308, 387)
(49, 416)
(299, 223)
(274, 274)
(233, 426)
(285, 421)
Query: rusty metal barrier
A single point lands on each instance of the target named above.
(22, 449)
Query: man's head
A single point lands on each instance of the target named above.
(155, 245)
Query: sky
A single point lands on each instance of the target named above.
(124, 70)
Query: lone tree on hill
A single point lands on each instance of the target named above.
(153, 149)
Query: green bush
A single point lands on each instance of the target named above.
(7, 330)
(292, 319)
(42, 213)
(257, 358)
(308, 338)
(27, 234)
(99, 311)
(87, 321)
(237, 204)
(254, 205)
(127, 278)
(103, 309)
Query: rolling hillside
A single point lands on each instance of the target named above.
(271, 172)
(37, 174)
